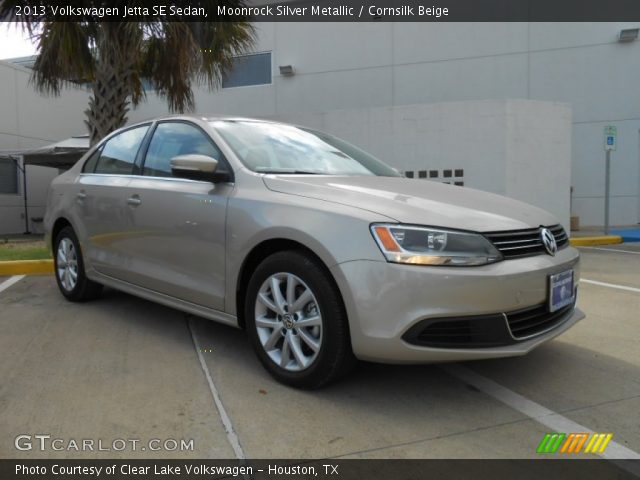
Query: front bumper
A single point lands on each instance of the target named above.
(384, 301)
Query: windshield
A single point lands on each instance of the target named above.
(277, 148)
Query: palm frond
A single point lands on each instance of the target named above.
(200, 52)
(172, 74)
(116, 57)
(220, 42)
(63, 56)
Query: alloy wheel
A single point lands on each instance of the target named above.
(288, 321)
(67, 264)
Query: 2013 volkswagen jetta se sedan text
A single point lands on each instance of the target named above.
(323, 253)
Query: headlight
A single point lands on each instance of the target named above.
(430, 246)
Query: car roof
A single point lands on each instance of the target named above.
(205, 118)
(192, 117)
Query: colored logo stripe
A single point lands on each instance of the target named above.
(573, 442)
(551, 442)
(598, 442)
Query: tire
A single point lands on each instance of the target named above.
(283, 338)
(69, 268)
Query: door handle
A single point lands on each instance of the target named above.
(81, 195)
(134, 200)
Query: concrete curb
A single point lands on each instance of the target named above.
(628, 234)
(593, 241)
(26, 267)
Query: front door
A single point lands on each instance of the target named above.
(178, 242)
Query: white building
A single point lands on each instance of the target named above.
(532, 93)
(28, 120)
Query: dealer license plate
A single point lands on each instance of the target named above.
(561, 290)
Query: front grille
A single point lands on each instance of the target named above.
(525, 243)
(486, 331)
(532, 321)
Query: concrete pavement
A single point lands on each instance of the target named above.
(122, 367)
(117, 368)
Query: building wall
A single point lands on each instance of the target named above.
(12, 206)
(353, 66)
(499, 146)
(366, 65)
(29, 120)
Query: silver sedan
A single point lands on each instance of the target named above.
(320, 251)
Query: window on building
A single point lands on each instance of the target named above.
(171, 139)
(8, 176)
(119, 153)
(248, 70)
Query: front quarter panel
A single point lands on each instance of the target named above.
(335, 233)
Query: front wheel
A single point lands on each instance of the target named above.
(69, 268)
(296, 321)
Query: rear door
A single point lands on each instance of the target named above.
(105, 225)
(179, 242)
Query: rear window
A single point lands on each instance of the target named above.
(119, 152)
(90, 164)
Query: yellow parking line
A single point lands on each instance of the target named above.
(26, 267)
(599, 240)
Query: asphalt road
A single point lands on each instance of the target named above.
(125, 368)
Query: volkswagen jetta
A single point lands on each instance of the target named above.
(320, 251)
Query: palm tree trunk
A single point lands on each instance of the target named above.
(115, 66)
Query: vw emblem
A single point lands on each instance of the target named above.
(549, 241)
(288, 320)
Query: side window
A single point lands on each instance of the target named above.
(119, 153)
(171, 139)
(253, 69)
(90, 164)
(8, 176)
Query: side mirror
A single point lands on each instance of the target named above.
(198, 167)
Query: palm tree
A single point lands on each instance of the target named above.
(116, 57)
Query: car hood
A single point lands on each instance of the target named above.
(417, 201)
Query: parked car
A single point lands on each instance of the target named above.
(320, 251)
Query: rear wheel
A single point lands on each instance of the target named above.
(69, 268)
(296, 321)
